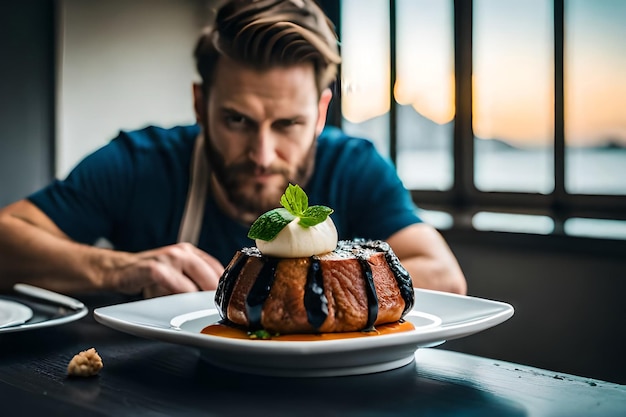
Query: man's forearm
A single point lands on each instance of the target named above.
(33, 255)
(433, 274)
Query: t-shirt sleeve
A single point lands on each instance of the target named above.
(88, 203)
(381, 205)
(369, 199)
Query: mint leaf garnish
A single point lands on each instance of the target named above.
(269, 224)
(261, 334)
(295, 204)
(295, 200)
(314, 215)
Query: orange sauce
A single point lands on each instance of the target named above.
(224, 330)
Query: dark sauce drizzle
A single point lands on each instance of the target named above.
(405, 284)
(315, 302)
(370, 289)
(402, 276)
(260, 291)
(225, 286)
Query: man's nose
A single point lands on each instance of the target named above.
(263, 147)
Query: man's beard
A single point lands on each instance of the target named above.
(237, 180)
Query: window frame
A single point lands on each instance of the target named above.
(463, 200)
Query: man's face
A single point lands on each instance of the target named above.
(260, 130)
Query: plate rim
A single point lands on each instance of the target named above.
(164, 331)
(73, 316)
(152, 319)
(24, 312)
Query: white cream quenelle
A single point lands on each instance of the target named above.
(295, 241)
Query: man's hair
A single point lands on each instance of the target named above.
(264, 34)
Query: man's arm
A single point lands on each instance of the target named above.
(34, 250)
(427, 257)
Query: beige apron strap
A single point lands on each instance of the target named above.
(191, 222)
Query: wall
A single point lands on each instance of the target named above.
(568, 296)
(26, 97)
(123, 65)
(81, 70)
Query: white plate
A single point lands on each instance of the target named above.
(13, 313)
(437, 317)
(44, 315)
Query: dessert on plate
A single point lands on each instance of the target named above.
(300, 279)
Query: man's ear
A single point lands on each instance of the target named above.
(199, 102)
(323, 104)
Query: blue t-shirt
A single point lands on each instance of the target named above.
(132, 192)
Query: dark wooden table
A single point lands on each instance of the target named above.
(150, 378)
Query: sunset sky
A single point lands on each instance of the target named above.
(513, 66)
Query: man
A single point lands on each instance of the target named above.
(176, 204)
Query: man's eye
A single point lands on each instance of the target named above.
(236, 121)
(284, 124)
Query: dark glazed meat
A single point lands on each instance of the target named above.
(359, 285)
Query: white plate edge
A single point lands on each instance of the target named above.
(24, 313)
(163, 331)
(76, 315)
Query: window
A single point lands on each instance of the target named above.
(595, 100)
(424, 93)
(513, 116)
(365, 70)
(504, 114)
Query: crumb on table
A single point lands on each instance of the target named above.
(85, 363)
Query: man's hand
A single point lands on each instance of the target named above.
(168, 270)
(34, 250)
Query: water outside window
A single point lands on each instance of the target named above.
(424, 90)
(599, 228)
(365, 70)
(513, 89)
(511, 222)
(595, 99)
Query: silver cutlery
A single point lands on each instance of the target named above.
(48, 295)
